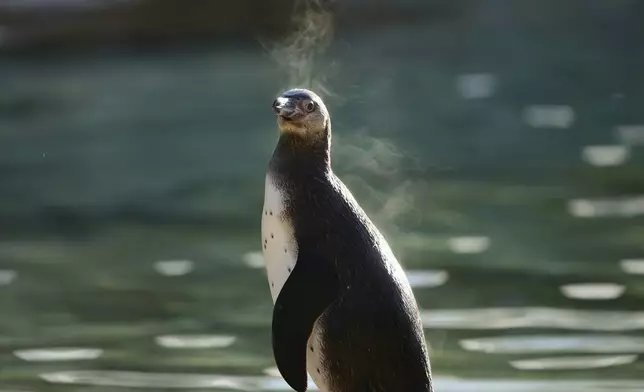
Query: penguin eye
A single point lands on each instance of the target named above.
(310, 106)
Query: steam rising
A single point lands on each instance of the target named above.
(370, 166)
(300, 53)
(374, 169)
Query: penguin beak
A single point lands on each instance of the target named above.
(285, 108)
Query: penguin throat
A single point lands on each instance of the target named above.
(305, 154)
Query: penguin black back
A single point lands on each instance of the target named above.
(346, 289)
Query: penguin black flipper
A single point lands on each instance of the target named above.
(307, 293)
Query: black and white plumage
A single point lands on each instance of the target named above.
(344, 311)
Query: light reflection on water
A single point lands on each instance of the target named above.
(633, 266)
(472, 244)
(573, 363)
(533, 317)
(195, 341)
(555, 344)
(254, 259)
(7, 276)
(549, 116)
(593, 291)
(58, 354)
(173, 267)
(260, 383)
(626, 207)
(605, 155)
(426, 278)
(631, 134)
(476, 86)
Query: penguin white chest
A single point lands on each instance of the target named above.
(280, 251)
(278, 242)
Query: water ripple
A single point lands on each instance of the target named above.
(468, 245)
(253, 383)
(427, 278)
(623, 207)
(7, 276)
(533, 317)
(195, 341)
(174, 267)
(609, 155)
(553, 343)
(631, 134)
(166, 380)
(573, 363)
(254, 259)
(632, 266)
(58, 354)
(476, 86)
(549, 116)
(590, 291)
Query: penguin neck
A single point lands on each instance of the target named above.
(302, 155)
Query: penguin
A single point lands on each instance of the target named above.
(344, 312)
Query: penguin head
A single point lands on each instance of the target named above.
(301, 112)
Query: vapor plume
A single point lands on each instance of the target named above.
(300, 54)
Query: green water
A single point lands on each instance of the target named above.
(131, 189)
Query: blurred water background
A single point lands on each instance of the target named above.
(497, 144)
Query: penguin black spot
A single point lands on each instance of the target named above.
(311, 347)
(289, 269)
(265, 212)
(284, 250)
(264, 246)
(272, 284)
(272, 235)
(271, 212)
(318, 369)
